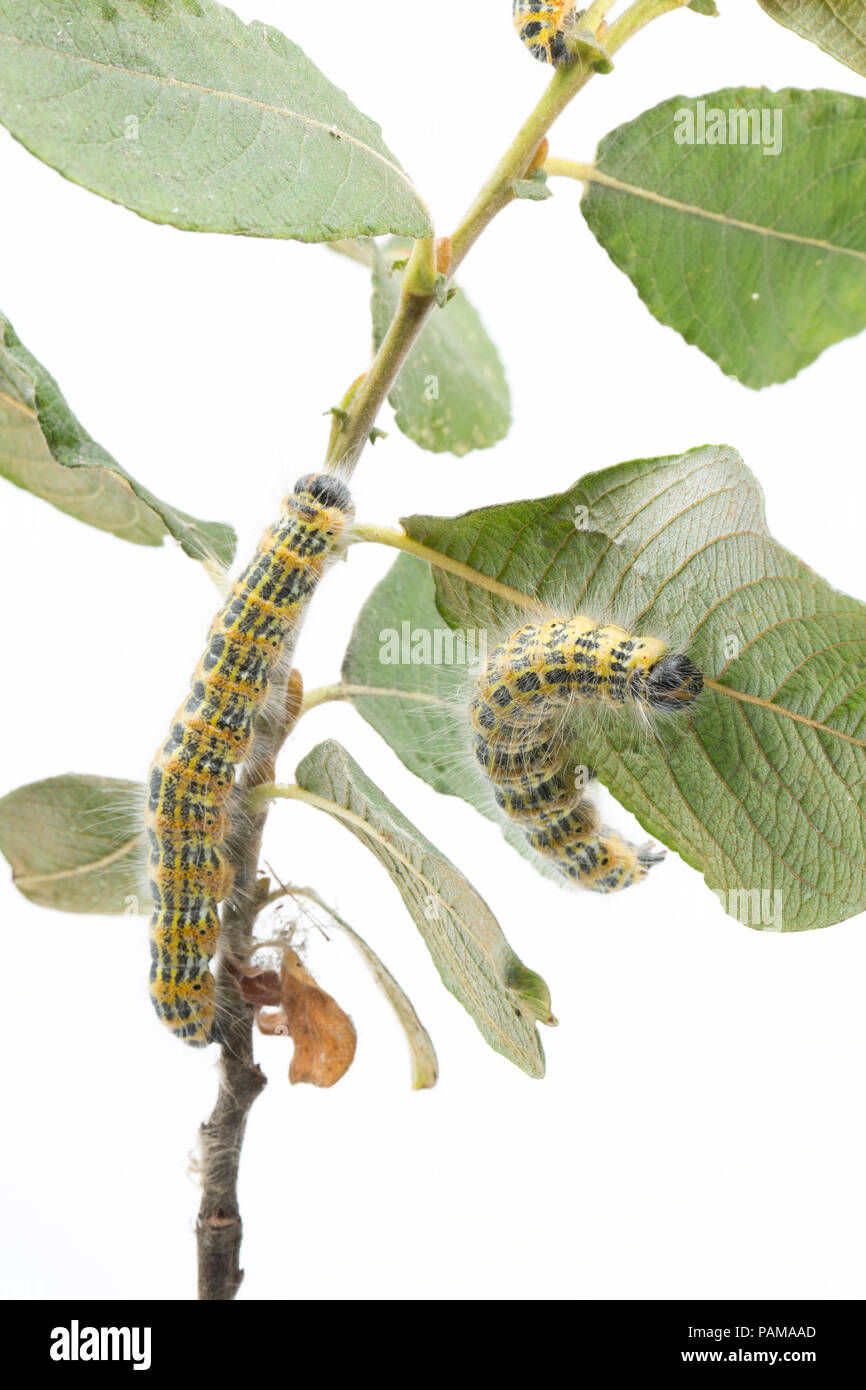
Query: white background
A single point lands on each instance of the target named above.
(700, 1131)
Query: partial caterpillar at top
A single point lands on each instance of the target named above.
(516, 711)
(544, 26)
(186, 816)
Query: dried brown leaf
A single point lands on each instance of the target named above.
(324, 1036)
(261, 987)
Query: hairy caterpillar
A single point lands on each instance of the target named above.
(543, 25)
(515, 711)
(186, 817)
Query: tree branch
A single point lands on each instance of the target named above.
(219, 1228)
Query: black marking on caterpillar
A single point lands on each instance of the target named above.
(544, 27)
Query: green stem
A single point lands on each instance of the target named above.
(258, 800)
(342, 690)
(420, 276)
(596, 13)
(498, 190)
(568, 169)
(636, 17)
(347, 443)
(417, 299)
(322, 694)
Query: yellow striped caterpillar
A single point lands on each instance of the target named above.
(544, 26)
(516, 709)
(186, 816)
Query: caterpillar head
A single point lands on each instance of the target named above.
(672, 684)
(326, 490)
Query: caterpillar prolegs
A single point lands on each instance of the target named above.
(186, 817)
(516, 712)
(544, 26)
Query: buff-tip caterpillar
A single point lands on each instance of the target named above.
(544, 26)
(517, 708)
(186, 814)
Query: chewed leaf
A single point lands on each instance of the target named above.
(451, 395)
(475, 962)
(738, 217)
(45, 450)
(837, 26)
(763, 787)
(181, 112)
(75, 843)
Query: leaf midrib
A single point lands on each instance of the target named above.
(79, 870)
(18, 405)
(258, 105)
(595, 175)
(780, 709)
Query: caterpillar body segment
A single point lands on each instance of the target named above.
(592, 854)
(191, 779)
(516, 713)
(544, 27)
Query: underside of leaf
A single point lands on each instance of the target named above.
(763, 787)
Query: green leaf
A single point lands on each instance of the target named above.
(837, 26)
(411, 703)
(535, 188)
(758, 259)
(585, 48)
(451, 395)
(764, 788)
(45, 450)
(75, 843)
(181, 112)
(503, 998)
(708, 7)
(425, 1064)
